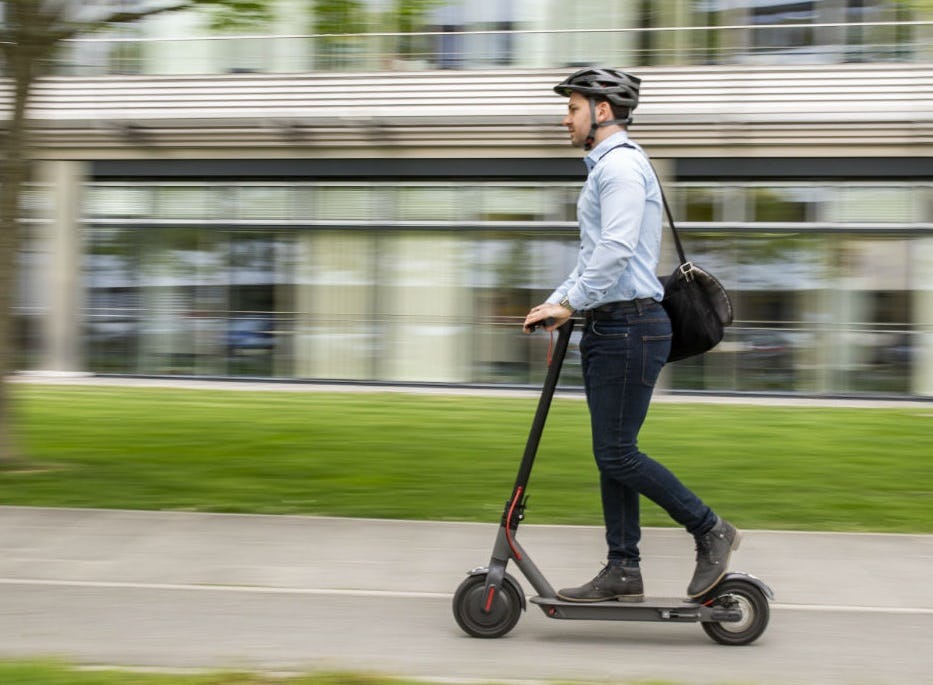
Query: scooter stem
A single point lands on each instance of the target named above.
(506, 546)
(544, 405)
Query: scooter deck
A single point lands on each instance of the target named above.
(664, 609)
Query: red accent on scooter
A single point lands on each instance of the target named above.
(489, 598)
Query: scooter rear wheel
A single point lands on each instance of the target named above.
(469, 604)
(750, 601)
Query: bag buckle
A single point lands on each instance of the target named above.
(686, 270)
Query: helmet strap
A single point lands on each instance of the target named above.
(591, 136)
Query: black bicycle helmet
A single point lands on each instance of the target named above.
(616, 86)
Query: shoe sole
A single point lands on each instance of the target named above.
(733, 546)
(632, 599)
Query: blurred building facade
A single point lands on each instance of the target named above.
(383, 206)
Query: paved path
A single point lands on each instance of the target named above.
(183, 590)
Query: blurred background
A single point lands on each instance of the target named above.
(378, 190)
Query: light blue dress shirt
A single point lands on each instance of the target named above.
(619, 212)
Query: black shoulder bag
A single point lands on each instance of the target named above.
(697, 304)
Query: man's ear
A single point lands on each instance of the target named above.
(603, 111)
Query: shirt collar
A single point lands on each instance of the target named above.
(617, 138)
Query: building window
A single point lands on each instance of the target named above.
(429, 281)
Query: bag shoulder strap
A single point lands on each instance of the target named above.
(667, 207)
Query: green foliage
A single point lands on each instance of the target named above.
(339, 16)
(350, 16)
(410, 14)
(236, 15)
(394, 455)
(39, 27)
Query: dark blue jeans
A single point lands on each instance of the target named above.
(622, 357)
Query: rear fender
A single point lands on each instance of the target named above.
(747, 578)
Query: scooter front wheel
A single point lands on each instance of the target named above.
(750, 601)
(469, 607)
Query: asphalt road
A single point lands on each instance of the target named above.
(182, 590)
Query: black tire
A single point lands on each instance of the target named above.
(469, 602)
(751, 601)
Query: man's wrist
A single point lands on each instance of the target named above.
(565, 303)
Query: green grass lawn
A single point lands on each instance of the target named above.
(62, 673)
(396, 455)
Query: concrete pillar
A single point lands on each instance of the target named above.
(922, 352)
(428, 306)
(61, 326)
(334, 330)
(669, 259)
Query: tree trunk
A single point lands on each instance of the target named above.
(29, 35)
(12, 175)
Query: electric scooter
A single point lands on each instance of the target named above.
(489, 603)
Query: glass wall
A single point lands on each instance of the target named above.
(377, 282)
(428, 282)
(824, 279)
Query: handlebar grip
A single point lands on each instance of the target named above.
(550, 321)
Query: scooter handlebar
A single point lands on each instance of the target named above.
(550, 321)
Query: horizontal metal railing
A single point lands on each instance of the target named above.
(757, 44)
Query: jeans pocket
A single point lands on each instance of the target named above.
(611, 328)
(655, 349)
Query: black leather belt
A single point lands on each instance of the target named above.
(613, 309)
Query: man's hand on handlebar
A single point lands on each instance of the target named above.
(550, 316)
